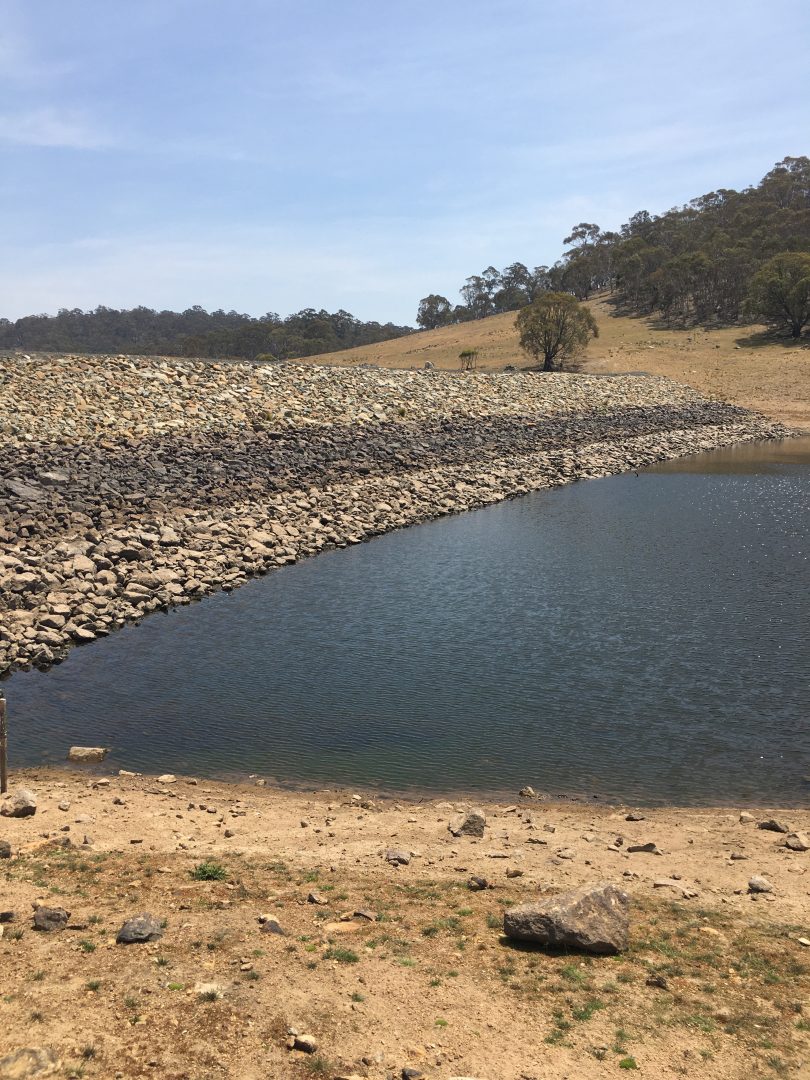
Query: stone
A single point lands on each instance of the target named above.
(798, 841)
(29, 1064)
(650, 848)
(139, 930)
(5, 849)
(87, 755)
(167, 778)
(772, 825)
(398, 856)
(22, 804)
(593, 919)
(472, 823)
(657, 981)
(50, 919)
(308, 1044)
(477, 884)
(634, 816)
(316, 898)
(745, 818)
(759, 884)
(527, 792)
(271, 926)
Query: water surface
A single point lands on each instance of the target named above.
(641, 638)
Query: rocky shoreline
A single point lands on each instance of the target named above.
(132, 485)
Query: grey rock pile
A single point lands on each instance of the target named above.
(131, 485)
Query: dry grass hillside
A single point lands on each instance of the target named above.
(742, 365)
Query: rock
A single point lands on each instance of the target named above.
(398, 856)
(5, 849)
(316, 898)
(514, 873)
(308, 1044)
(167, 778)
(140, 929)
(650, 849)
(472, 823)
(477, 884)
(29, 1064)
(759, 884)
(50, 919)
(410, 1073)
(527, 792)
(593, 919)
(658, 981)
(633, 816)
(771, 825)
(271, 926)
(23, 804)
(798, 841)
(745, 818)
(86, 755)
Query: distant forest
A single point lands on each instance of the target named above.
(693, 264)
(194, 332)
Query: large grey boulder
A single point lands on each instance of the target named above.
(472, 823)
(140, 929)
(23, 804)
(593, 919)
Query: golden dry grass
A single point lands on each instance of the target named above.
(741, 365)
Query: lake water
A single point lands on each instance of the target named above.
(641, 638)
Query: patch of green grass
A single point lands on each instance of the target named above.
(38, 976)
(176, 986)
(209, 871)
(628, 1063)
(319, 1066)
(162, 961)
(37, 1017)
(88, 1052)
(586, 1011)
(343, 956)
(573, 974)
(93, 985)
(208, 995)
(87, 946)
(252, 975)
(356, 996)
(440, 1023)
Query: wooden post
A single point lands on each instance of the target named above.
(3, 746)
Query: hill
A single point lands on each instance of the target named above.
(743, 365)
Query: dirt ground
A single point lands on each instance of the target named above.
(393, 967)
(738, 364)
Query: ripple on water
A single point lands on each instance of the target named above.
(641, 638)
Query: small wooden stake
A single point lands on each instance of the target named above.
(3, 746)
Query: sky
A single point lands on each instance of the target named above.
(271, 155)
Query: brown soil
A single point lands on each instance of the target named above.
(428, 982)
(743, 365)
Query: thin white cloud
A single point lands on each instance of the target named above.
(51, 127)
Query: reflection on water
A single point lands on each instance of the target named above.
(747, 458)
(642, 637)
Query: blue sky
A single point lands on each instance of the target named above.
(268, 156)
